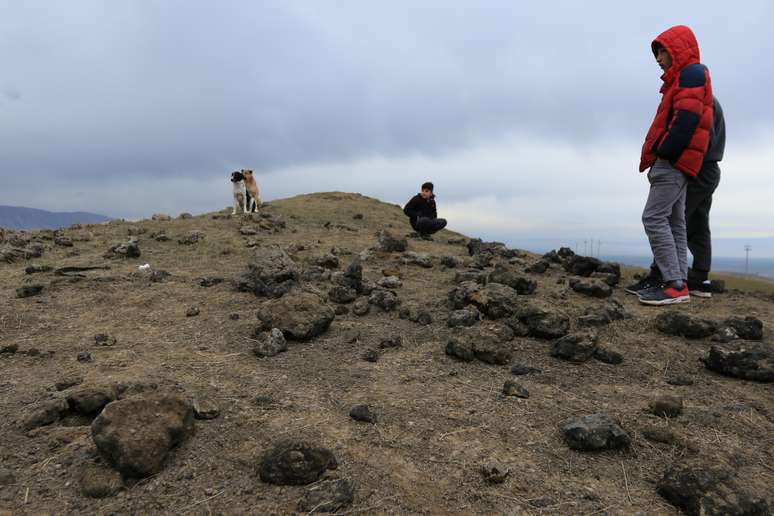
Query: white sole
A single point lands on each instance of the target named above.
(699, 293)
(663, 302)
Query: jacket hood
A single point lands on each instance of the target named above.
(682, 46)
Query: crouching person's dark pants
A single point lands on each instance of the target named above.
(426, 226)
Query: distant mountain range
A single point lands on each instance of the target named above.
(17, 217)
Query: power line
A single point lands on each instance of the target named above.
(747, 250)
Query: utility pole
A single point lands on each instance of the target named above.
(599, 246)
(585, 248)
(747, 250)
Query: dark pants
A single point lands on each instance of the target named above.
(427, 226)
(698, 203)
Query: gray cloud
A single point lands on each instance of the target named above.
(116, 93)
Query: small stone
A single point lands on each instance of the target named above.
(99, 482)
(684, 325)
(84, 356)
(463, 317)
(362, 413)
(103, 339)
(328, 496)
(511, 388)
(361, 307)
(680, 380)
(592, 287)
(667, 406)
(208, 281)
(67, 382)
(748, 328)
(594, 432)
(574, 348)
(248, 231)
(7, 477)
(391, 282)
(295, 463)
(385, 299)
(233, 317)
(495, 472)
(392, 270)
(522, 369)
(45, 413)
(371, 356)
(9, 348)
(342, 294)
(659, 435)
(270, 344)
(161, 217)
(341, 310)
(390, 243)
(192, 311)
(391, 342)
(449, 261)
(608, 356)
(29, 291)
(204, 409)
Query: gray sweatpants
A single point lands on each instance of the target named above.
(664, 220)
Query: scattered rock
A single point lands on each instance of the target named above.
(271, 273)
(136, 434)
(209, 281)
(190, 238)
(508, 276)
(371, 356)
(357, 216)
(136, 230)
(701, 490)
(602, 316)
(300, 316)
(341, 310)
(384, 299)
(748, 328)
(574, 348)
(725, 334)
(460, 347)
(9, 348)
(44, 413)
(666, 406)
(463, 317)
(449, 261)
(472, 275)
(192, 311)
(390, 243)
(683, 325)
(90, 400)
(745, 360)
(7, 478)
(361, 307)
(67, 382)
(295, 463)
(608, 356)
(495, 472)
(485, 343)
(680, 380)
(362, 413)
(248, 231)
(539, 267)
(130, 249)
(35, 268)
(594, 432)
(99, 482)
(495, 300)
(185, 216)
(342, 294)
(204, 409)
(511, 388)
(327, 261)
(161, 217)
(420, 259)
(29, 291)
(591, 287)
(84, 356)
(415, 314)
(545, 325)
(395, 341)
(270, 343)
(390, 282)
(328, 496)
(63, 241)
(522, 369)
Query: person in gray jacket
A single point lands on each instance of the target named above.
(698, 203)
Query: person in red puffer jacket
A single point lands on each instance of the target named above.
(674, 151)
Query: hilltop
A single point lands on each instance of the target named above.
(473, 361)
(17, 217)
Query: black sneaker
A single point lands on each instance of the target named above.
(700, 288)
(644, 284)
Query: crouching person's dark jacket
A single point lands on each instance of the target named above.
(418, 207)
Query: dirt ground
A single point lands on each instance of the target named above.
(439, 419)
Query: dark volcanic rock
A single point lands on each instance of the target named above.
(608, 356)
(601, 316)
(508, 276)
(395, 341)
(190, 238)
(667, 406)
(371, 355)
(680, 380)
(462, 317)
(459, 296)
(270, 343)
(90, 400)
(362, 413)
(591, 287)
(748, 328)
(684, 325)
(522, 369)
(543, 324)
(415, 314)
(390, 243)
(328, 496)
(29, 291)
(136, 434)
(341, 294)
(209, 281)
(9, 348)
(746, 360)
(295, 463)
(477, 247)
(271, 273)
(420, 259)
(361, 307)
(327, 261)
(574, 348)
(495, 472)
(204, 409)
(461, 347)
(511, 388)
(581, 265)
(495, 300)
(44, 413)
(594, 432)
(384, 299)
(192, 311)
(706, 491)
(300, 316)
(449, 261)
(34, 269)
(391, 282)
(539, 267)
(484, 343)
(130, 249)
(474, 275)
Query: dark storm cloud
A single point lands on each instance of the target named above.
(191, 88)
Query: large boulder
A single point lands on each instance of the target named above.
(299, 316)
(594, 432)
(543, 324)
(486, 343)
(136, 434)
(591, 287)
(271, 273)
(708, 491)
(508, 276)
(683, 325)
(748, 328)
(495, 300)
(746, 360)
(574, 348)
(602, 316)
(295, 463)
(390, 243)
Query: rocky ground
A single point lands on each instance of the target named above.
(312, 358)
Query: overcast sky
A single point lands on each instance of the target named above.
(528, 117)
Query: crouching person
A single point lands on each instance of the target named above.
(423, 214)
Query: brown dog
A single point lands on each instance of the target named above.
(252, 188)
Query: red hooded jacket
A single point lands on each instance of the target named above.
(680, 132)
